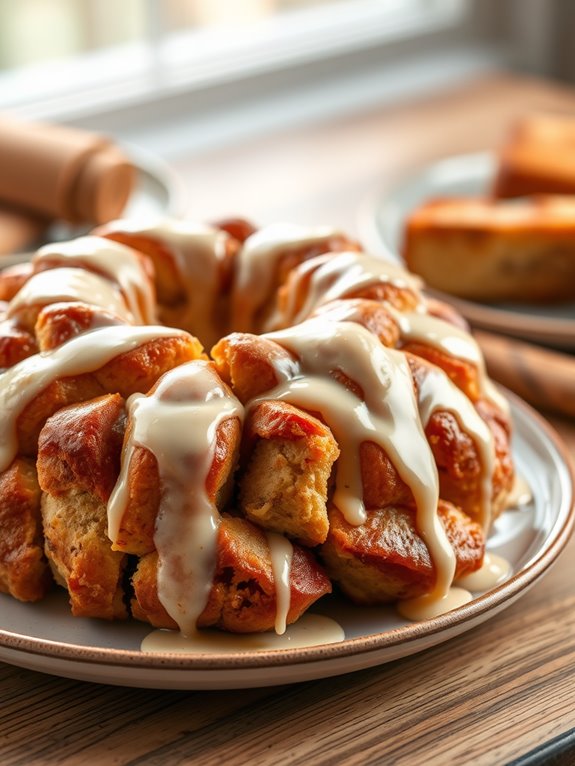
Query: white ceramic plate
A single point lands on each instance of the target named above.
(381, 226)
(45, 637)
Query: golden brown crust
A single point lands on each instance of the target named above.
(238, 228)
(128, 373)
(24, 571)
(60, 322)
(13, 278)
(74, 503)
(457, 456)
(86, 434)
(245, 362)
(385, 559)
(243, 595)
(16, 343)
(80, 554)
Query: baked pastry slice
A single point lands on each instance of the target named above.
(490, 250)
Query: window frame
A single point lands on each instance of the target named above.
(167, 64)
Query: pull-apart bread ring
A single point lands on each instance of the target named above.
(344, 432)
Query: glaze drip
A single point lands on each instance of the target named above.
(177, 422)
(83, 354)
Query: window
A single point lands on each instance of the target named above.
(65, 58)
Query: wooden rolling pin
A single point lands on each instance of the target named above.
(20, 231)
(62, 173)
(544, 378)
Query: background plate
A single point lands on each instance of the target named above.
(381, 228)
(45, 637)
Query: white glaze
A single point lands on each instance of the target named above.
(334, 277)
(309, 630)
(281, 552)
(437, 392)
(116, 262)
(419, 326)
(257, 265)
(493, 571)
(430, 605)
(85, 353)
(177, 422)
(69, 285)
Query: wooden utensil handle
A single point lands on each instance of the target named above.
(542, 377)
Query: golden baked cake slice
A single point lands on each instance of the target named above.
(495, 250)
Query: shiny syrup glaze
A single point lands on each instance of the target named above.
(68, 285)
(336, 277)
(177, 422)
(309, 630)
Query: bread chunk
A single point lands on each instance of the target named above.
(285, 484)
(24, 571)
(537, 157)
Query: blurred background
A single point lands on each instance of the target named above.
(186, 75)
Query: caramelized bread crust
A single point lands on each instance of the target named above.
(60, 322)
(289, 459)
(244, 360)
(24, 571)
(126, 374)
(16, 343)
(537, 157)
(86, 434)
(385, 559)
(81, 555)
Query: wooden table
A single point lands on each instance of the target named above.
(487, 697)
